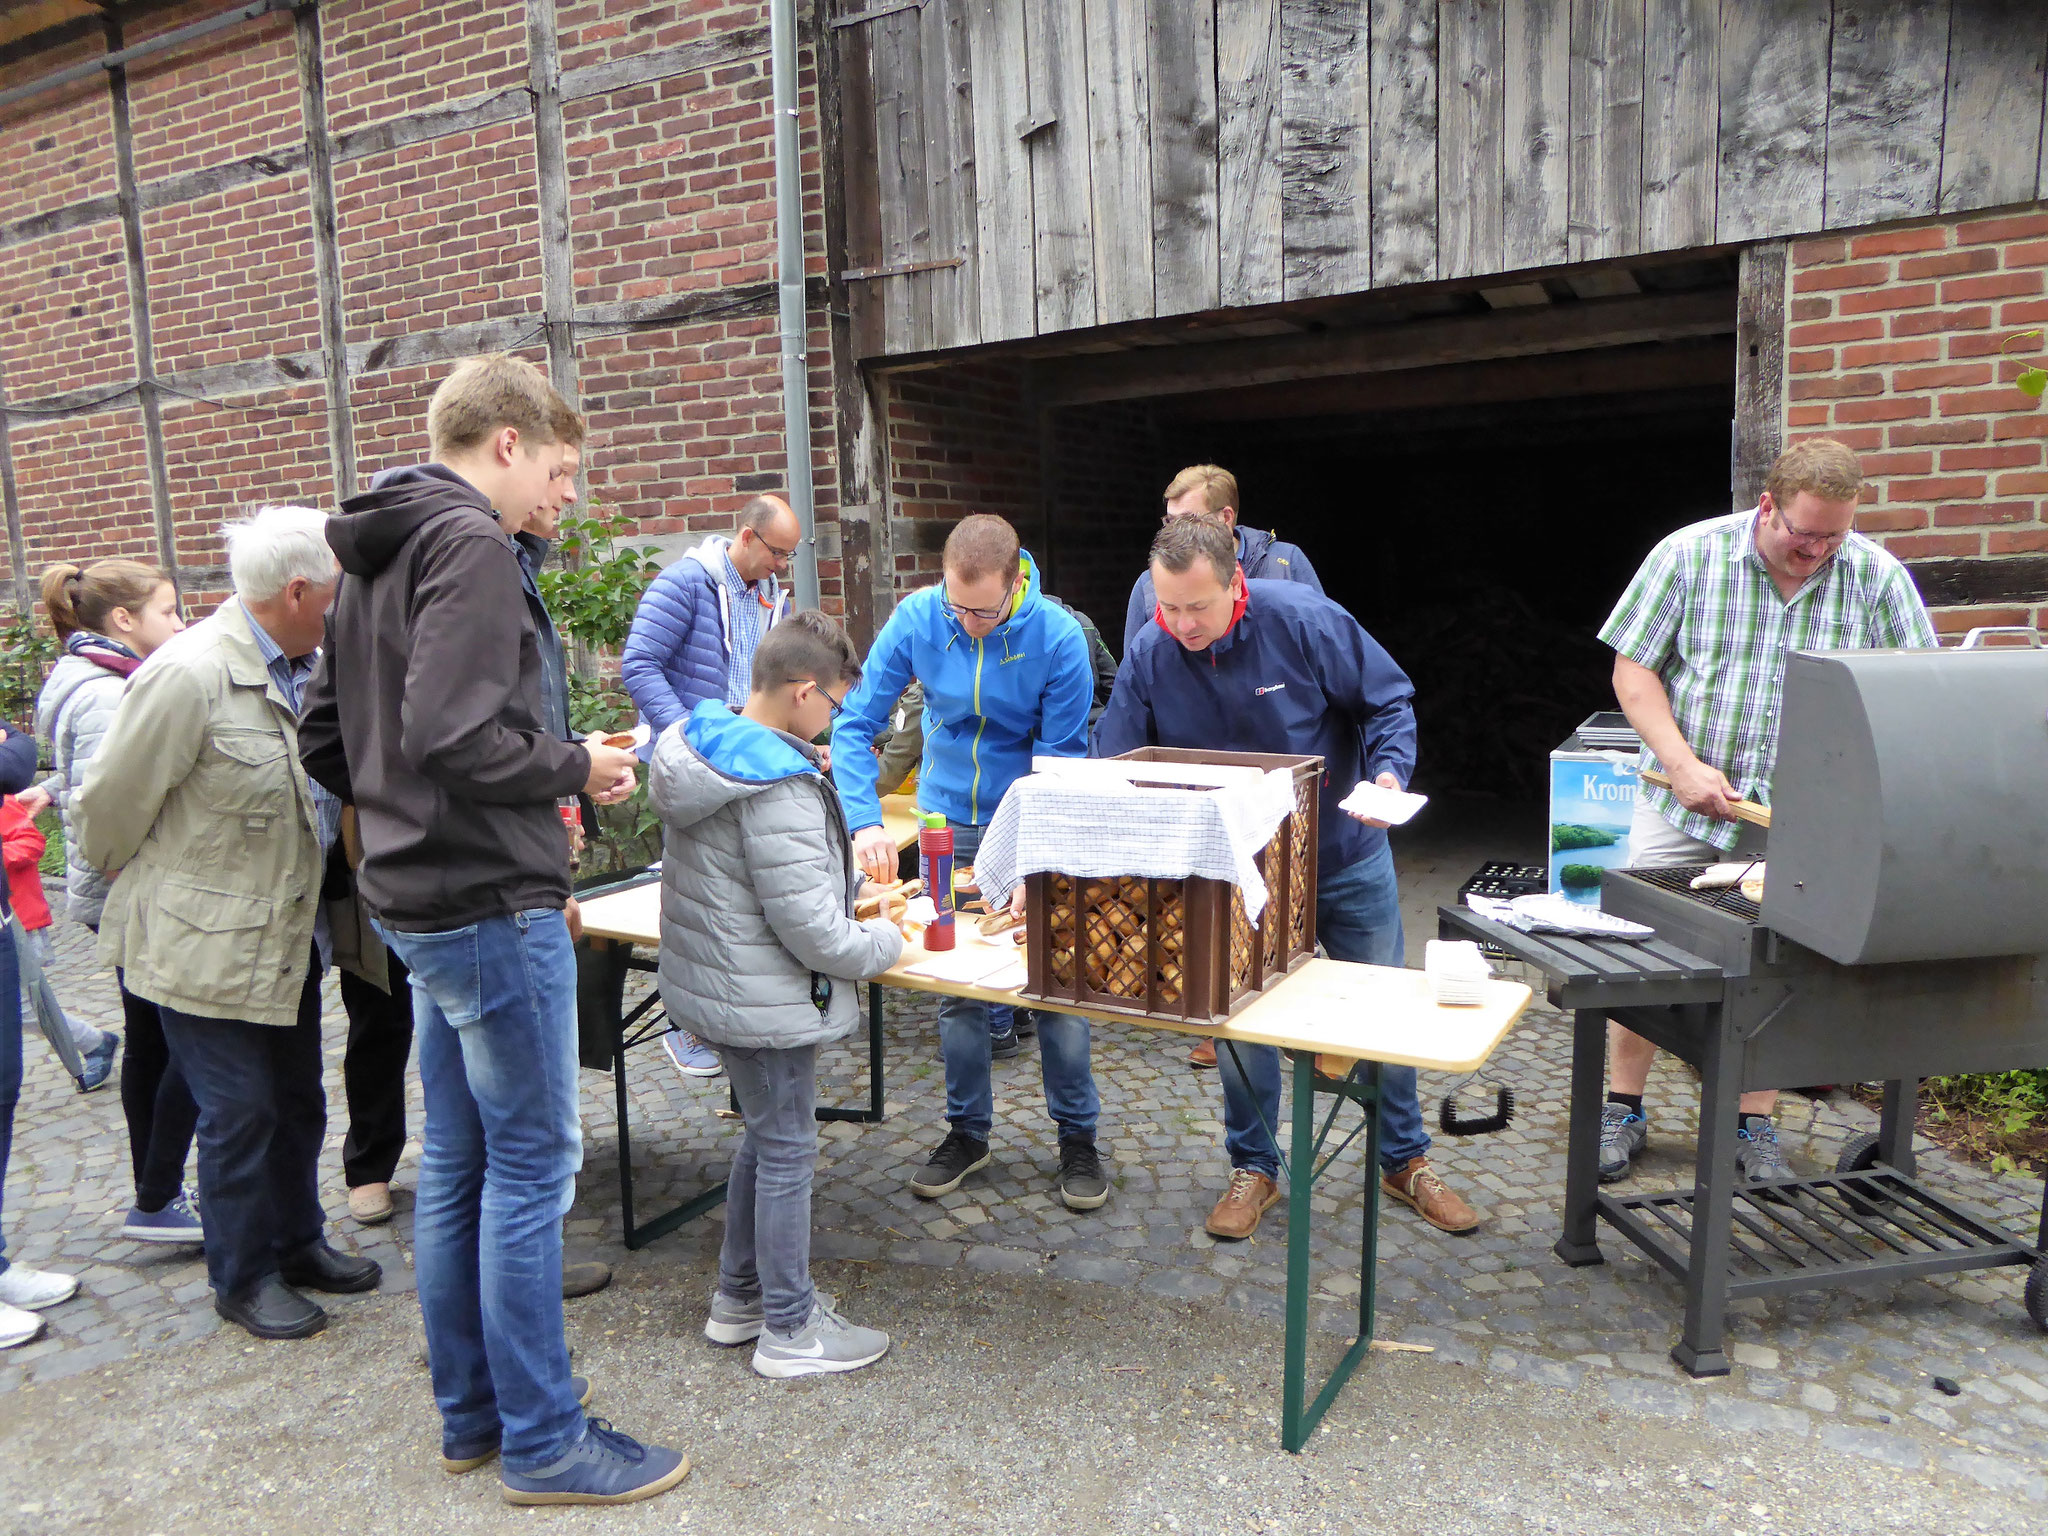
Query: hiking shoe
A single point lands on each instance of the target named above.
(1418, 1185)
(957, 1156)
(604, 1467)
(828, 1342)
(17, 1326)
(740, 1322)
(1004, 1045)
(1083, 1185)
(1203, 1055)
(34, 1289)
(1251, 1194)
(1758, 1157)
(458, 1458)
(99, 1062)
(1623, 1133)
(177, 1222)
(692, 1057)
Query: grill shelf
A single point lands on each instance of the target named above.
(1796, 1234)
(1678, 878)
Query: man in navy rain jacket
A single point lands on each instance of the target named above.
(1208, 490)
(1268, 666)
(1006, 677)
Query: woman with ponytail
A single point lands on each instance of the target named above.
(109, 616)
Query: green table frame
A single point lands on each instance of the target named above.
(1307, 1143)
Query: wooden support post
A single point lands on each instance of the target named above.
(138, 311)
(1759, 429)
(341, 438)
(10, 500)
(551, 169)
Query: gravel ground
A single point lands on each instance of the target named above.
(1009, 1405)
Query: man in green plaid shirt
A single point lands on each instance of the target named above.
(1700, 640)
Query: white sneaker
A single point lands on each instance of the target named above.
(828, 1342)
(35, 1289)
(17, 1326)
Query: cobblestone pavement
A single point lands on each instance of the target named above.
(1852, 1370)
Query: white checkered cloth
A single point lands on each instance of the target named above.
(1052, 823)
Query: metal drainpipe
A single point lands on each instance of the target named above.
(789, 280)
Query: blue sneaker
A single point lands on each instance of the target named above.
(458, 1458)
(177, 1222)
(99, 1062)
(604, 1467)
(693, 1058)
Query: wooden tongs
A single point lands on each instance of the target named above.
(1745, 810)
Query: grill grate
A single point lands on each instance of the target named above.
(1678, 878)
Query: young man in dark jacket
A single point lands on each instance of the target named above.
(1208, 490)
(427, 714)
(1268, 666)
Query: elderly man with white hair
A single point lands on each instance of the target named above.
(198, 800)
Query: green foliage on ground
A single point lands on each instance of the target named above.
(1566, 834)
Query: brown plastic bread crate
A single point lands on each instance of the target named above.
(1178, 949)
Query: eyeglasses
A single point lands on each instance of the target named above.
(1804, 537)
(837, 704)
(780, 554)
(987, 615)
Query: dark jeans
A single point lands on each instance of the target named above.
(373, 1074)
(1358, 918)
(262, 1118)
(10, 1054)
(156, 1102)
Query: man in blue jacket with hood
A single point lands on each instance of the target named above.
(1208, 490)
(1268, 666)
(1005, 677)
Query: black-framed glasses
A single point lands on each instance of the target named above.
(776, 551)
(987, 615)
(837, 704)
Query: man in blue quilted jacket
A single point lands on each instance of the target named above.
(694, 639)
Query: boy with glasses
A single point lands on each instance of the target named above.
(1006, 677)
(694, 638)
(1700, 640)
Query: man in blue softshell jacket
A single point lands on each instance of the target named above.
(1269, 666)
(1006, 678)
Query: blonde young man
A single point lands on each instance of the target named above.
(1700, 640)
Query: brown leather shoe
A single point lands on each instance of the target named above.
(1250, 1195)
(1203, 1055)
(1434, 1200)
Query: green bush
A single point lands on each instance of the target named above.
(1567, 834)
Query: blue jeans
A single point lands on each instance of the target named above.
(1358, 918)
(767, 1248)
(964, 1043)
(10, 1053)
(494, 1006)
(262, 1118)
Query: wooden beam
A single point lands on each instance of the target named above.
(1998, 579)
(1056, 64)
(1404, 139)
(10, 502)
(1991, 125)
(1887, 71)
(551, 177)
(154, 460)
(1681, 122)
(1325, 170)
(951, 286)
(1774, 117)
(1759, 428)
(1182, 65)
(1119, 99)
(1004, 252)
(341, 438)
(662, 63)
(1471, 127)
(1606, 173)
(1381, 349)
(1248, 197)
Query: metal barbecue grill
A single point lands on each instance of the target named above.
(1903, 934)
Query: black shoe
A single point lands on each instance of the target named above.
(958, 1156)
(318, 1267)
(1083, 1185)
(585, 1279)
(1026, 1024)
(1003, 1045)
(270, 1309)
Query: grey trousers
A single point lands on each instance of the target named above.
(767, 1250)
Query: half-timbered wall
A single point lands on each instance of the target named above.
(1022, 168)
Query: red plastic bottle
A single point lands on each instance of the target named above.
(935, 866)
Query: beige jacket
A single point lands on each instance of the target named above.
(196, 796)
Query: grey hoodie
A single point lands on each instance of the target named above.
(759, 947)
(73, 712)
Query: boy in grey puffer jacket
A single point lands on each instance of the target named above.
(761, 958)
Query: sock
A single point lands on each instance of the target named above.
(1632, 1102)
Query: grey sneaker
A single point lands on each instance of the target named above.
(1758, 1157)
(828, 1342)
(740, 1322)
(1623, 1133)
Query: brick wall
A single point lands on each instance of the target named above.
(962, 439)
(1904, 343)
